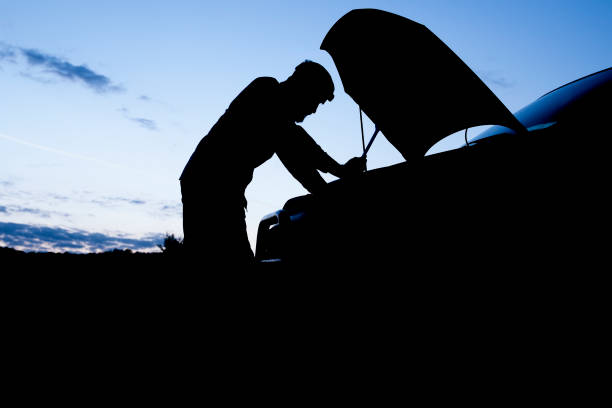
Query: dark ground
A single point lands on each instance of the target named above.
(57, 262)
(145, 323)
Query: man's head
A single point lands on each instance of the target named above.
(308, 86)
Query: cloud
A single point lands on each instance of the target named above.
(66, 70)
(113, 201)
(64, 153)
(58, 68)
(171, 210)
(56, 239)
(40, 80)
(495, 78)
(31, 211)
(145, 123)
(16, 209)
(144, 98)
(58, 197)
(7, 52)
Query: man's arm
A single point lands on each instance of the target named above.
(324, 162)
(302, 156)
(299, 153)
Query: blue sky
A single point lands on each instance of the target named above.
(102, 103)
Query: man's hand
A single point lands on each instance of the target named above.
(354, 166)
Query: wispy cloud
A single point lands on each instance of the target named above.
(60, 152)
(114, 201)
(56, 239)
(496, 78)
(7, 52)
(53, 69)
(66, 70)
(38, 79)
(77, 213)
(143, 122)
(171, 210)
(16, 209)
(57, 67)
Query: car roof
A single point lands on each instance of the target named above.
(576, 80)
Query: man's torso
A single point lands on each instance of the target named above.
(242, 139)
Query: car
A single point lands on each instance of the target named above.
(523, 194)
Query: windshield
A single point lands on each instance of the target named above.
(551, 107)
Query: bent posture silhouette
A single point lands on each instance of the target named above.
(260, 122)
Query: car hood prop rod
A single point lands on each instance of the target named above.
(365, 152)
(361, 123)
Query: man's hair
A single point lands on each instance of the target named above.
(317, 77)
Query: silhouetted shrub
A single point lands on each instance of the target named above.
(172, 245)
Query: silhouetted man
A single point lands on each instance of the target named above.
(260, 122)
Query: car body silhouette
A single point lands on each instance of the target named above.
(525, 192)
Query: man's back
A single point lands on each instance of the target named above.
(242, 139)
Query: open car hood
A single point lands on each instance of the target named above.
(409, 83)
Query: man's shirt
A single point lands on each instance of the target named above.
(253, 128)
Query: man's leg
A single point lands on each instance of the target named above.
(215, 233)
(237, 240)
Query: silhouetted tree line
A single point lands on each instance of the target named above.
(171, 245)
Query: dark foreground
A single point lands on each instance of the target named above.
(37, 262)
(104, 324)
